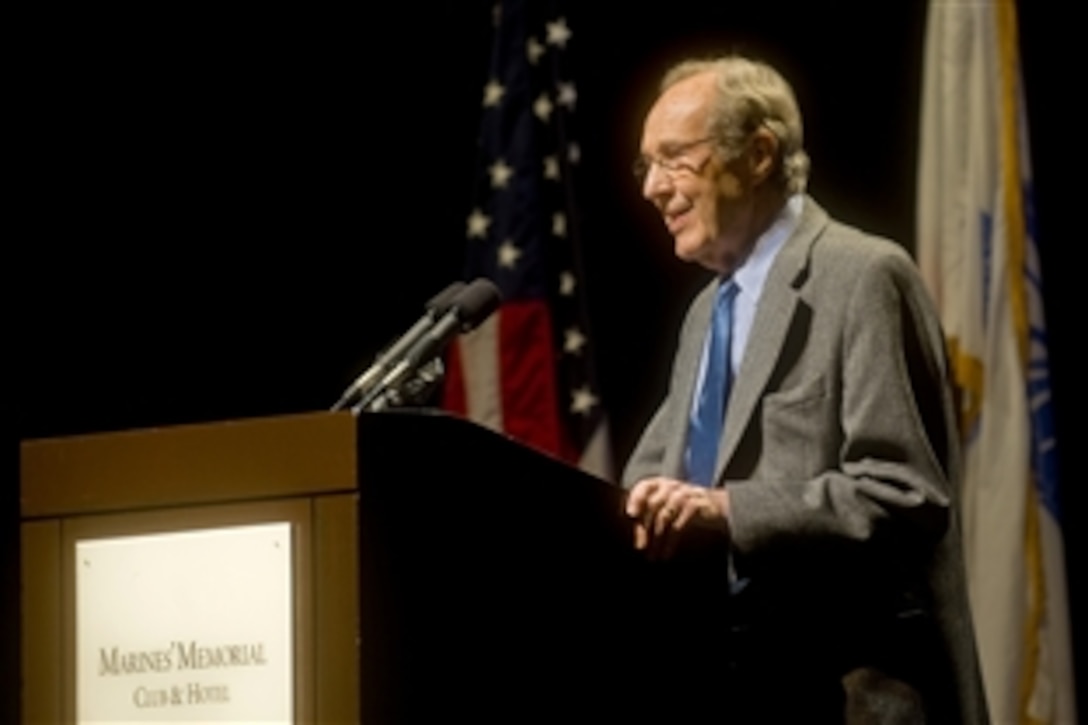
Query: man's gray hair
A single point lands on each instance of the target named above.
(751, 94)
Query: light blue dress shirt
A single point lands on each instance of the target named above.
(750, 277)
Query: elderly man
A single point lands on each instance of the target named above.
(808, 419)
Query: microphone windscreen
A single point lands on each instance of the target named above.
(476, 302)
(440, 304)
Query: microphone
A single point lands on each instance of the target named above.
(436, 307)
(470, 307)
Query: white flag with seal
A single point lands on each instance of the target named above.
(976, 247)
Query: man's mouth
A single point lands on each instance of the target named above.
(674, 221)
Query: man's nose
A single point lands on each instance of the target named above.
(657, 183)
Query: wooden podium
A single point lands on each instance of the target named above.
(439, 568)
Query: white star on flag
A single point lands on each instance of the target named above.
(551, 168)
(574, 341)
(582, 401)
(566, 283)
(508, 254)
(558, 33)
(478, 222)
(542, 108)
(534, 50)
(500, 174)
(574, 153)
(567, 96)
(559, 224)
(493, 92)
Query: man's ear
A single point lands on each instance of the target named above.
(763, 152)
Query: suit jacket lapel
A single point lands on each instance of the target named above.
(774, 315)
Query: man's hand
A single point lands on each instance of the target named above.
(664, 509)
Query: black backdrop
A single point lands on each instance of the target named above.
(226, 213)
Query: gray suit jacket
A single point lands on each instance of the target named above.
(841, 457)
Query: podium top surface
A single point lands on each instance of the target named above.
(301, 454)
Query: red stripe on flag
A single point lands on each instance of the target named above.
(453, 392)
(527, 363)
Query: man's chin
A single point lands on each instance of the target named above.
(700, 254)
(686, 250)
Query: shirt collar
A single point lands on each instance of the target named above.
(751, 275)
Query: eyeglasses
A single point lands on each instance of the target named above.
(672, 163)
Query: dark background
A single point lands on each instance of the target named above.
(224, 214)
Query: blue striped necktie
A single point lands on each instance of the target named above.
(705, 430)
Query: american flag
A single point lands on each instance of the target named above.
(528, 370)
